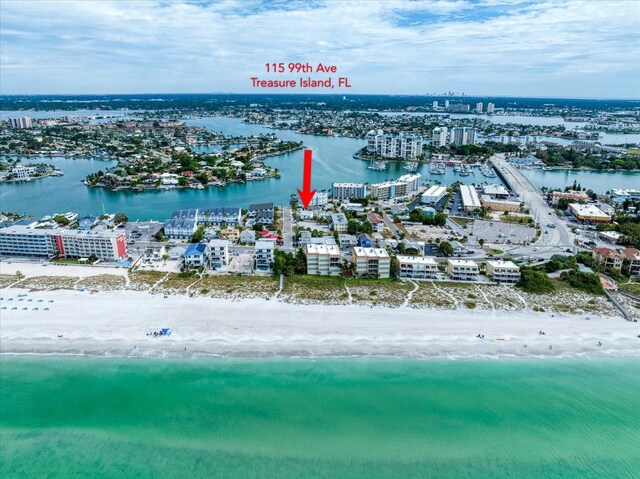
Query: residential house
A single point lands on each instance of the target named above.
(376, 221)
(196, 255)
(218, 253)
(264, 255)
(632, 255)
(339, 222)
(263, 213)
(608, 257)
(247, 237)
(364, 240)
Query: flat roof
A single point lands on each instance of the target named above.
(417, 260)
(370, 252)
(503, 264)
(462, 262)
(588, 210)
(323, 249)
(469, 196)
(435, 190)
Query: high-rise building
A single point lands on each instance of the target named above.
(20, 123)
(394, 146)
(463, 136)
(435, 104)
(439, 136)
(348, 191)
(479, 107)
(490, 108)
(446, 103)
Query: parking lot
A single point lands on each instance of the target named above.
(501, 233)
(241, 264)
(140, 235)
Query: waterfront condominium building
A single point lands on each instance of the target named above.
(25, 240)
(505, 272)
(264, 255)
(463, 136)
(229, 216)
(470, 199)
(321, 198)
(348, 191)
(394, 146)
(479, 106)
(403, 186)
(490, 108)
(433, 195)
(20, 123)
(183, 223)
(439, 136)
(462, 269)
(417, 267)
(218, 253)
(371, 262)
(323, 260)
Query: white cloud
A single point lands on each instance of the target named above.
(574, 48)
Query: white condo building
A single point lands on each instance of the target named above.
(462, 269)
(490, 108)
(403, 186)
(503, 271)
(371, 262)
(479, 106)
(264, 255)
(323, 260)
(348, 191)
(394, 146)
(218, 253)
(439, 136)
(417, 267)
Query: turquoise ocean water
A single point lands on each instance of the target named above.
(97, 417)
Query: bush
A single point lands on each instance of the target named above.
(536, 282)
(587, 282)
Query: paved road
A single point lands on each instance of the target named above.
(389, 223)
(287, 229)
(558, 239)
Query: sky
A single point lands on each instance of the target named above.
(574, 48)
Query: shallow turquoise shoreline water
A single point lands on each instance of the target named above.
(94, 417)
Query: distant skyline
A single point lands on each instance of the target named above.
(571, 49)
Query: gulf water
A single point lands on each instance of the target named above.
(361, 418)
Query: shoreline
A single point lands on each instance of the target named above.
(117, 324)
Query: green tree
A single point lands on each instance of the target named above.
(445, 248)
(198, 235)
(120, 218)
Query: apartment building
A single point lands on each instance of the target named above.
(571, 195)
(371, 262)
(490, 108)
(348, 191)
(610, 258)
(462, 269)
(505, 272)
(323, 260)
(463, 136)
(21, 122)
(394, 146)
(262, 212)
(403, 186)
(227, 215)
(218, 253)
(417, 267)
(439, 137)
(264, 255)
(23, 240)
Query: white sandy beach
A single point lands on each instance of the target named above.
(116, 323)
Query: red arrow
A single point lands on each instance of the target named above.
(306, 194)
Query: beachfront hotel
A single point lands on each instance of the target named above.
(25, 240)
(323, 260)
(417, 267)
(371, 262)
(348, 191)
(462, 269)
(394, 146)
(505, 272)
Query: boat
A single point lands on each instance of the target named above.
(378, 166)
(436, 169)
(411, 166)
